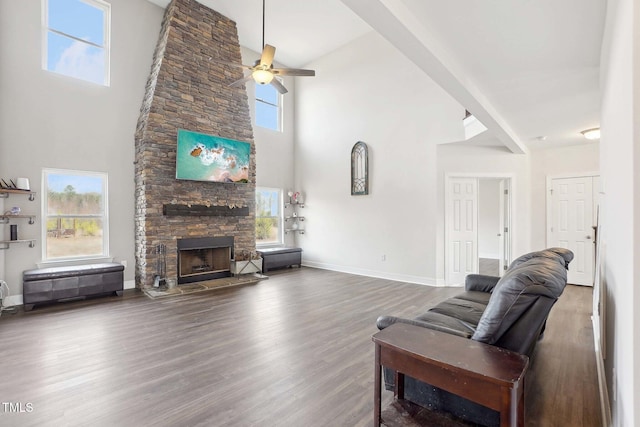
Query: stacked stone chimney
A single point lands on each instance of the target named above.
(189, 89)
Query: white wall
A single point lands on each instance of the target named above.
(49, 120)
(401, 115)
(620, 207)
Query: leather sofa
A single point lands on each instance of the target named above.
(509, 312)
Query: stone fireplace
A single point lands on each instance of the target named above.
(188, 88)
(204, 258)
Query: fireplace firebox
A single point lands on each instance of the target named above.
(204, 258)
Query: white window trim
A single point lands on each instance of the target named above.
(106, 7)
(279, 106)
(44, 214)
(280, 218)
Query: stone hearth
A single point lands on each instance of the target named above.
(189, 89)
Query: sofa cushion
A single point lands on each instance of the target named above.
(476, 296)
(447, 323)
(531, 276)
(467, 311)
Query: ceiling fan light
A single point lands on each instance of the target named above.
(591, 133)
(262, 76)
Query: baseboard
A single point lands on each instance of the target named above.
(605, 408)
(129, 284)
(373, 273)
(12, 300)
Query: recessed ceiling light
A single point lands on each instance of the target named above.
(593, 133)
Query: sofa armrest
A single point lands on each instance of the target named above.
(386, 321)
(480, 282)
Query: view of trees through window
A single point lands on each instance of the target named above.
(268, 218)
(75, 215)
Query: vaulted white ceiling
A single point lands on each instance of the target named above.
(527, 68)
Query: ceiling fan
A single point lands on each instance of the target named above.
(262, 71)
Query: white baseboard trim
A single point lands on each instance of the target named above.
(373, 273)
(12, 300)
(605, 408)
(129, 284)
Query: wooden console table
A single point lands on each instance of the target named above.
(485, 374)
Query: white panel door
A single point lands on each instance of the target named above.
(572, 225)
(462, 219)
(505, 226)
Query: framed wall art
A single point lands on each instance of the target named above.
(359, 169)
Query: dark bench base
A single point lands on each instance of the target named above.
(280, 257)
(45, 285)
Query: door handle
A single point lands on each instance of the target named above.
(499, 234)
(588, 237)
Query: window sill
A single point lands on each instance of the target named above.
(74, 261)
(269, 245)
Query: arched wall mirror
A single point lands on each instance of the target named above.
(359, 169)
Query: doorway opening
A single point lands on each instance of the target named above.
(478, 217)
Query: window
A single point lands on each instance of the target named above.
(76, 39)
(268, 107)
(268, 216)
(74, 217)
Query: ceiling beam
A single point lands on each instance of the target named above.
(396, 23)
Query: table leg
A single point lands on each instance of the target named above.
(509, 407)
(377, 409)
(521, 404)
(399, 388)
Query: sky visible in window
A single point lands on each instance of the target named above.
(267, 93)
(72, 57)
(267, 100)
(80, 183)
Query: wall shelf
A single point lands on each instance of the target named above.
(4, 193)
(4, 219)
(286, 205)
(293, 218)
(294, 230)
(4, 244)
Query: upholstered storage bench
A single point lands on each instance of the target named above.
(61, 283)
(280, 257)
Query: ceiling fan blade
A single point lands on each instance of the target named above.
(267, 55)
(279, 86)
(293, 72)
(242, 81)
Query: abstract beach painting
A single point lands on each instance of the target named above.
(202, 157)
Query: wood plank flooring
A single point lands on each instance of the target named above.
(294, 350)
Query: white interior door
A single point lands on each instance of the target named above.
(572, 225)
(505, 226)
(462, 220)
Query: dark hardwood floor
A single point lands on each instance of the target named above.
(294, 350)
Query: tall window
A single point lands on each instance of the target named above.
(268, 107)
(268, 216)
(76, 39)
(75, 222)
